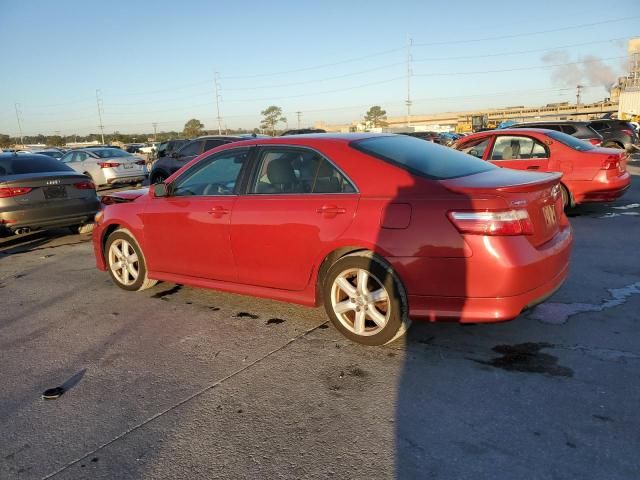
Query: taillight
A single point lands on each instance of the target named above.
(6, 192)
(86, 185)
(504, 222)
(594, 141)
(611, 163)
(141, 162)
(108, 164)
(628, 132)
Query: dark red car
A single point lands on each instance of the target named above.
(589, 173)
(379, 228)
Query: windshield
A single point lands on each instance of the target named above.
(569, 141)
(109, 153)
(421, 157)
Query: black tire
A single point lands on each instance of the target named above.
(142, 282)
(380, 273)
(82, 228)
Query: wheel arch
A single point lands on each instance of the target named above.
(334, 256)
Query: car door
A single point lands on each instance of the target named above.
(296, 202)
(187, 232)
(519, 152)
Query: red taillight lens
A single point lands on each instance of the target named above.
(141, 162)
(108, 164)
(594, 141)
(87, 185)
(611, 163)
(7, 192)
(504, 222)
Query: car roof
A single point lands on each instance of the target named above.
(552, 122)
(501, 131)
(312, 138)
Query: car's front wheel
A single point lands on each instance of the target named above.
(126, 263)
(365, 300)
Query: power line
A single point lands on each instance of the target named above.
(526, 34)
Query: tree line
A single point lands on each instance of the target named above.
(272, 118)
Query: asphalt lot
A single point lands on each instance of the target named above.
(177, 382)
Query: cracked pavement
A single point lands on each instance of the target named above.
(177, 382)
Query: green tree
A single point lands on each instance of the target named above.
(5, 140)
(272, 116)
(193, 128)
(55, 141)
(376, 117)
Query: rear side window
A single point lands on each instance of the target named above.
(31, 164)
(571, 142)
(189, 149)
(475, 147)
(422, 158)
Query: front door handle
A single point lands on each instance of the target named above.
(533, 167)
(218, 211)
(330, 211)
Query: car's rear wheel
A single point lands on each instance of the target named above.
(365, 300)
(566, 197)
(126, 263)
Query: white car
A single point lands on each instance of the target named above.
(107, 166)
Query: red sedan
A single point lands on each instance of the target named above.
(379, 228)
(589, 173)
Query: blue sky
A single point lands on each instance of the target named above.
(155, 61)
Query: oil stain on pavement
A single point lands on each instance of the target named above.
(527, 358)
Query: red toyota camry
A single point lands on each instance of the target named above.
(381, 229)
(589, 173)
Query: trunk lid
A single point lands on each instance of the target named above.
(46, 188)
(537, 193)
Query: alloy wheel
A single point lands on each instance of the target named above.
(360, 302)
(124, 262)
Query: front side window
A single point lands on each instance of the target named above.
(517, 148)
(190, 149)
(217, 175)
(286, 170)
(476, 148)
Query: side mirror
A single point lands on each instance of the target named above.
(160, 190)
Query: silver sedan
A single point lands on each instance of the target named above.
(107, 166)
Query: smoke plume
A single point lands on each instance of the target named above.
(589, 70)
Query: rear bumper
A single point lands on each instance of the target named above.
(482, 310)
(76, 213)
(113, 177)
(600, 189)
(502, 277)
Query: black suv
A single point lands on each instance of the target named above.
(581, 130)
(616, 134)
(165, 149)
(167, 164)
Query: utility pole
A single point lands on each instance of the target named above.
(216, 76)
(409, 72)
(19, 123)
(99, 103)
(299, 115)
(155, 131)
(578, 96)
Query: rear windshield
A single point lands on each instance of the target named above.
(569, 141)
(109, 152)
(31, 164)
(421, 157)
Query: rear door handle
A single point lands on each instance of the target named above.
(533, 167)
(331, 210)
(218, 211)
